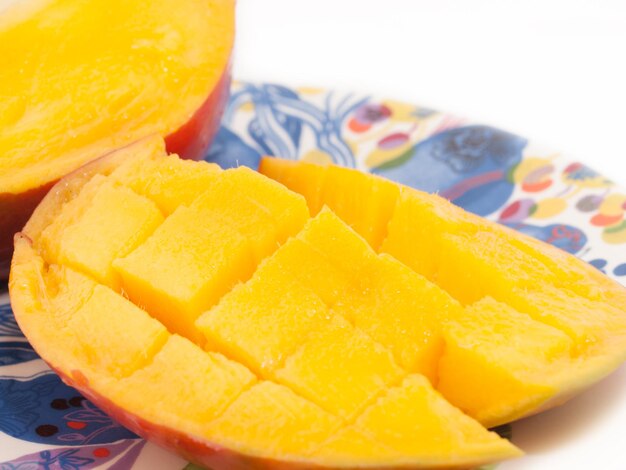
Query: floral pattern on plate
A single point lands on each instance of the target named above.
(485, 170)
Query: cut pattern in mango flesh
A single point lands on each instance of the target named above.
(233, 320)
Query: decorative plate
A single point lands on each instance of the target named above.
(496, 174)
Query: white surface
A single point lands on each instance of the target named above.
(551, 70)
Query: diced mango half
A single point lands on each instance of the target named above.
(473, 259)
(208, 309)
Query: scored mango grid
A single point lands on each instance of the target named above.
(373, 398)
(234, 398)
(381, 391)
(416, 216)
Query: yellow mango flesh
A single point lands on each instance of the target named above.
(264, 221)
(271, 420)
(373, 198)
(109, 322)
(349, 444)
(188, 387)
(498, 360)
(307, 176)
(474, 261)
(340, 368)
(287, 209)
(436, 428)
(184, 267)
(401, 310)
(124, 218)
(321, 275)
(263, 321)
(337, 243)
(208, 246)
(293, 339)
(346, 193)
(81, 78)
(169, 182)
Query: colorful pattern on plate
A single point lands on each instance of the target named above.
(490, 172)
(45, 424)
(36, 406)
(124, 454)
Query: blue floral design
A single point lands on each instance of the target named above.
(66, 459)
(280, 114)
(620, 270)
(599, 264)
(8, 325)
(14, 348)
(469, 165)
(41, 409)
(79, 458)
(14, 352)
(230, 151)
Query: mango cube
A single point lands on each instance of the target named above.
(401, 310)
(261, 322)
(306, 176)
(197, 386)
(270, 419)
(184, 268)
(340, 368)
(496, 356)
(287, 209)
(333, 239)
(307, 265)
(415, 409)
(169, 182)
(109, 322)
(124, 220)
(364, 203)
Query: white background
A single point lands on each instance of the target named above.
(553, 71)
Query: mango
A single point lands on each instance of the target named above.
(230, 319)
(81, 79)
(516, 292)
